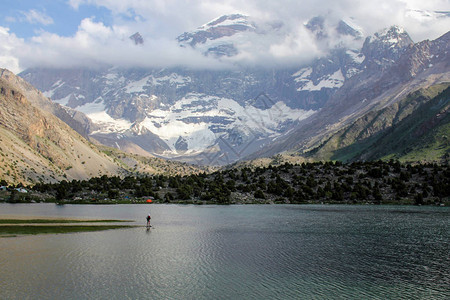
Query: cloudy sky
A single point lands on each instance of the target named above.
(68, 33)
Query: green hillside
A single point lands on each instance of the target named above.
(415, 129)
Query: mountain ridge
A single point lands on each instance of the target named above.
(221, 116)
(372, 91)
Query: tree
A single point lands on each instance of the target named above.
(174, 182)
(231, 185)
(112, 194)
(274, 188)
(377, 194)
(61, 192)
(289, 192)
(244, 188)
(320, 192)
(168, 197)
(299, 197)
(418, 199)
(259, 194)
(13, 196)
(405, 176)
(375, 173)
(337, 195)
(184, 192)
(311, 182)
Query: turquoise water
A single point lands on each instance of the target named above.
(233, 252)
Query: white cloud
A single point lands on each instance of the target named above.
(195, 11)
(96, 45)
(273, 48)
(160, 21)
(35, 17)
(8, 45)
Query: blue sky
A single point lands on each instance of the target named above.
(64, 33)
(26, 18)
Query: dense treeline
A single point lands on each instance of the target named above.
(330, 182)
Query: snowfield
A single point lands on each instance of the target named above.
(200, 120)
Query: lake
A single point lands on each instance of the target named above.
(233, 252)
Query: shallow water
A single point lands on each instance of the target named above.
(233, 252)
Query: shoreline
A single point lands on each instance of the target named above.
(198, 203)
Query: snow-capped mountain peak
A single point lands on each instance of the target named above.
(394, 35)
(386, 46)
(228, 20)
(223, 26)
(218, 37)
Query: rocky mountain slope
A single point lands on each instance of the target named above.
(76, 120)
(36, 146)
(221, 116)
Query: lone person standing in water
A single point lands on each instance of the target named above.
(148, 220)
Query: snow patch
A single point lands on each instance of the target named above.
(197, 135)
(173, 79)
(333, 81)
(302, 74)
(150, 80)
(96, 111)
(352, 72)
(113, 79)
(137, 86)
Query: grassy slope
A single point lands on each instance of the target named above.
(414, 129)
(421, 137)
(437, 146)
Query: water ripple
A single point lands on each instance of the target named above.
(247, 252)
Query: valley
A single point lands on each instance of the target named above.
(225, 149)
(307, 133)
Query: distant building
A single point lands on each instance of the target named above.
(21, 190)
